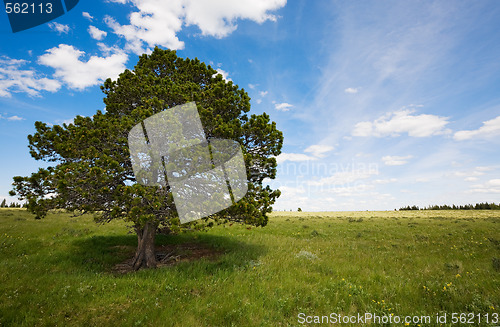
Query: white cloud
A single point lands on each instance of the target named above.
(217, 17)
(157, 22)
(96, 33)
(63, 121)
(252, 86)
(472, 174)
(283, 106)
(107, 50)
(485, 168)
(349, 191)
(396, 160)
(77, 74)
(87, 15)
(351, 90)
(494, 182)
(395, 123)
(385, 181)
(12, 118)
(150, 29)
(490, 128)
(491, 186)
(59, 28)
(15, 79)
(262, 94)
(225, 75)
(291, 191)
(344, 177)
(293, 157)
(319, 150)
(293, 197)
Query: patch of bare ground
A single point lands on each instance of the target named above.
(172, 254)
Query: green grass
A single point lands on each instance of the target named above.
(58, 271)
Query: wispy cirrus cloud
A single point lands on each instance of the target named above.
(407, 53)
(390, 62)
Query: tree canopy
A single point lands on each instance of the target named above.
(92, 171)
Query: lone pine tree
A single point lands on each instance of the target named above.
(92, 171)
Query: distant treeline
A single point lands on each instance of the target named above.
(477, 206)
(11, 205)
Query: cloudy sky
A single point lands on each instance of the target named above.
(382, 104)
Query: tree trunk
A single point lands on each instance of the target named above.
(145, 256)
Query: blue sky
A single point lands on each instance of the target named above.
(382, 103)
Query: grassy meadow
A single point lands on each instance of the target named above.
(59, 271)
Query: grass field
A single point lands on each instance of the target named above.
(59, 271)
